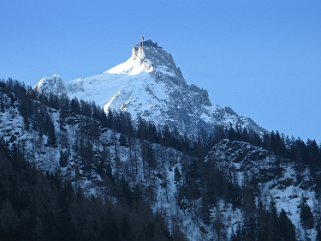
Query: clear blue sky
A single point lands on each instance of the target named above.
(262, 58)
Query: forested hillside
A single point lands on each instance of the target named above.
(107, 177)
(37, 206)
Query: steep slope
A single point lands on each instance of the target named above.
(82, 150)
(150, 85)
(39, 207)
(275, 181)
(92, 157)
(213, 198)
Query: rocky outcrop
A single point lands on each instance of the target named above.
(51, 85)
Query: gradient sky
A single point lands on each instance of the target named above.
(262, 58)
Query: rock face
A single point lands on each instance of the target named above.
(51, 85)
(275, 181)
(150, 85)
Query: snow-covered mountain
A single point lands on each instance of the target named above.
(48, 85)
(240, 185)
(151, 86)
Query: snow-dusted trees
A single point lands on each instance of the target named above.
(46, 208)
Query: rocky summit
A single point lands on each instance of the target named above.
(48, 85)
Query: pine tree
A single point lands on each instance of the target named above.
(306, 215)
(50, 130)
(63, 160)
(177, 177)
(286, 228)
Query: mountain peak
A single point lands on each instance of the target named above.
(51, 85)
(150, 85)
(150, 58)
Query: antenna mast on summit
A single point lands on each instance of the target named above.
(142, 41)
